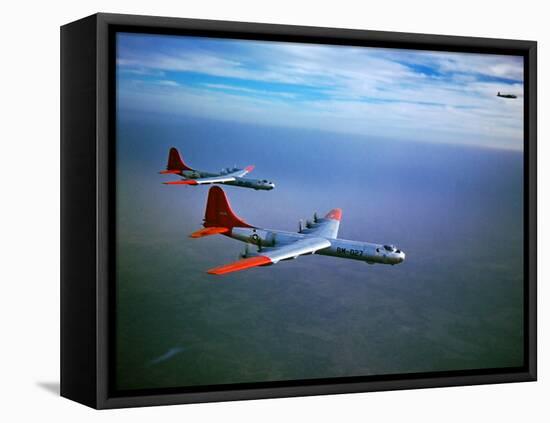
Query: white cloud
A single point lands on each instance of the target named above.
(387, 120)
(227, 87)
(166, 83)
(417, 95)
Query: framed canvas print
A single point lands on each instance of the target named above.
(255, 211)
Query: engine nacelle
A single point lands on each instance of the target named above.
(191, 174)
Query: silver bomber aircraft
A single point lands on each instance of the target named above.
(318, 236)
(499, 94)
(233, 176)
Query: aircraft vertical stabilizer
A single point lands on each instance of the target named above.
(175, 162)
(219, 213)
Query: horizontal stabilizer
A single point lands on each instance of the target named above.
(182, 182)
(169, 172)
(209, 231)
(246, 263)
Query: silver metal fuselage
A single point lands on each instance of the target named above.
(239, 181)
(355, 250)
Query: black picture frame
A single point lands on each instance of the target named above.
(87, 201)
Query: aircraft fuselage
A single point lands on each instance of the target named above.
(507, 95)
(257, 184)
(364, 251)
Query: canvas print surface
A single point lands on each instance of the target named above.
(355, 211)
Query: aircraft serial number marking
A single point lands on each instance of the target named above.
(349, 251)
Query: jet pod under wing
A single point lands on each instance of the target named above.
(273, 255)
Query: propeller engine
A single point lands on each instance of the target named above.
(245, 253)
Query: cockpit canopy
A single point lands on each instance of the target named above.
(390, 248)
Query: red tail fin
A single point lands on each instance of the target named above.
(175, 162)
(219, 213)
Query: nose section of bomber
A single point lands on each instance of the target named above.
(265, 184)
(401, 257)
(398, 256)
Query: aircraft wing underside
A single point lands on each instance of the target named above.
(203, 181)
(272, 255)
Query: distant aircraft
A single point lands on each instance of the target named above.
(233, 176)
(506, 95)
(318, 236)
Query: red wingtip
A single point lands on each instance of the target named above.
(334, 214)
(249, 168)
(182, 182)
(246, 263)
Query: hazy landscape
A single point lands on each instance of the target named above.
(455, 303)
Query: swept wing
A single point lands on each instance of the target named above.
(228, 177)
(202, 181)
(242, 172)
(273, 255)
(327, 226)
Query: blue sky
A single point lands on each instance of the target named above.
(381, 94)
